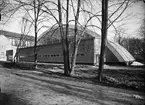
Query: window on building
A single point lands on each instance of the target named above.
(31, 43)
(13, 42)
(82, 54)
(2, 54)
(10, 41)
(16, 42)
(28, 43)
(23, 43)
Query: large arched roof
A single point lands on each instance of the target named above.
(120, 52)
(88, 33)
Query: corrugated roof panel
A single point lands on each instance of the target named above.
(121, 52)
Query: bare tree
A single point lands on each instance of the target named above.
(76, 42)
(142, 33)
(7, 10)
(44, 8)
(56, 10)
(142, 29)
(80, 28)
(36, 17)
(122, 7)
(119, 35)
(25, 30)
(3, 5)
(104, 36)
(57, 13)
(105, 26)
(64, 37)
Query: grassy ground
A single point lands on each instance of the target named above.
(121, 78)
(23, 85)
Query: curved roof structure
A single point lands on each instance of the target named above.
(120, 52)
(53, 32)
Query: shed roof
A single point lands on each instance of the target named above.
(15, 35)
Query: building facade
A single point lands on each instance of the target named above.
(12, 41)
(50, 49)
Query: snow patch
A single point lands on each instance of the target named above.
(137, 64)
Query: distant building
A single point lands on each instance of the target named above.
(50, 49)
(11, 40)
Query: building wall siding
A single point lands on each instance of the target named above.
(97, 46)
(86, 48)
(10, 41)
(4, 45)
(110, 57)
(53, 52)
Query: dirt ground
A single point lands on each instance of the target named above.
(26, 87)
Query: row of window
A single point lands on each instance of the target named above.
(2, 46)
(24, 43)
(55, 55)
(48, 41)
(51, 41)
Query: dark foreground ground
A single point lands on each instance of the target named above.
(48, 86)
(132, 78)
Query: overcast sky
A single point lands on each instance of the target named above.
(131, 25)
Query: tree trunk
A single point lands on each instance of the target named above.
(74, 56)
(76, 41)
(103, 38)
(35, 45)
(35, 48)
(65, 58)
(64, 41)
(66, 65)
